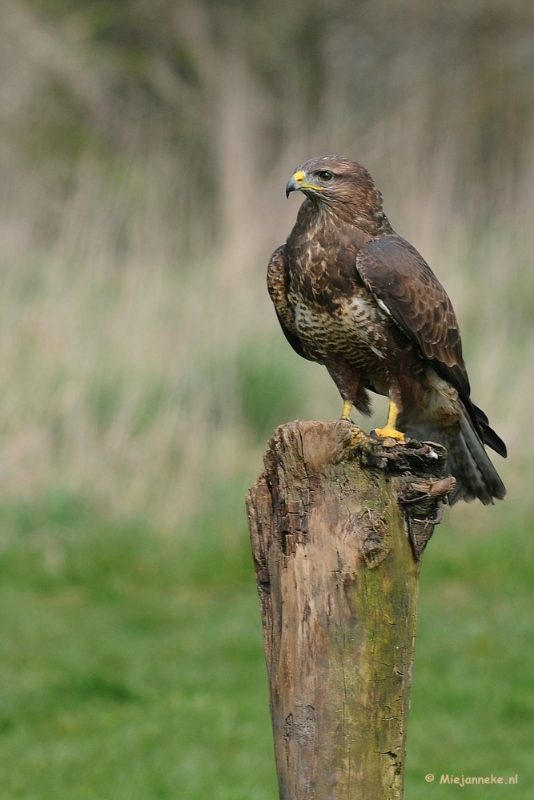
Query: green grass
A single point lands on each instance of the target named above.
(473, 690)
(126, 670)
(131, 665)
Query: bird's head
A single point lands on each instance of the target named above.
(342, 185)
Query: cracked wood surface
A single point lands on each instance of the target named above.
(338, 522)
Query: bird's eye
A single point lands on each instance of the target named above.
(325, 175)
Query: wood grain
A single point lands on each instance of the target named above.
(337, 529)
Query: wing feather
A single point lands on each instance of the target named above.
(404, 283)
(278, 286)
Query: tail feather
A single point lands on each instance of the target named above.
(468, 462)
(489, 436)
(471, 466)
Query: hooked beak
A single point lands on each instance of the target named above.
(295, 182)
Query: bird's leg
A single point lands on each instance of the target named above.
(347, 408)
(390, 430)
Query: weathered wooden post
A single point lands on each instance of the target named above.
(338, 522)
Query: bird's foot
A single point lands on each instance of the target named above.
(389, 432)
(347, 408)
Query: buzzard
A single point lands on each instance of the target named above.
(351, 294)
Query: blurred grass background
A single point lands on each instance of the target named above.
(144, 150)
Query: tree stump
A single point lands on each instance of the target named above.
(338, 523)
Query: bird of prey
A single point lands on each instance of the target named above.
(353, 295)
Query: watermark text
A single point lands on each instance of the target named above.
(470, 780)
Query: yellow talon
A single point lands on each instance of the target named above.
(390, 430)
(347, 408)
(390, 433)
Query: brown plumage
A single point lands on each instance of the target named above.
(353, 295)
